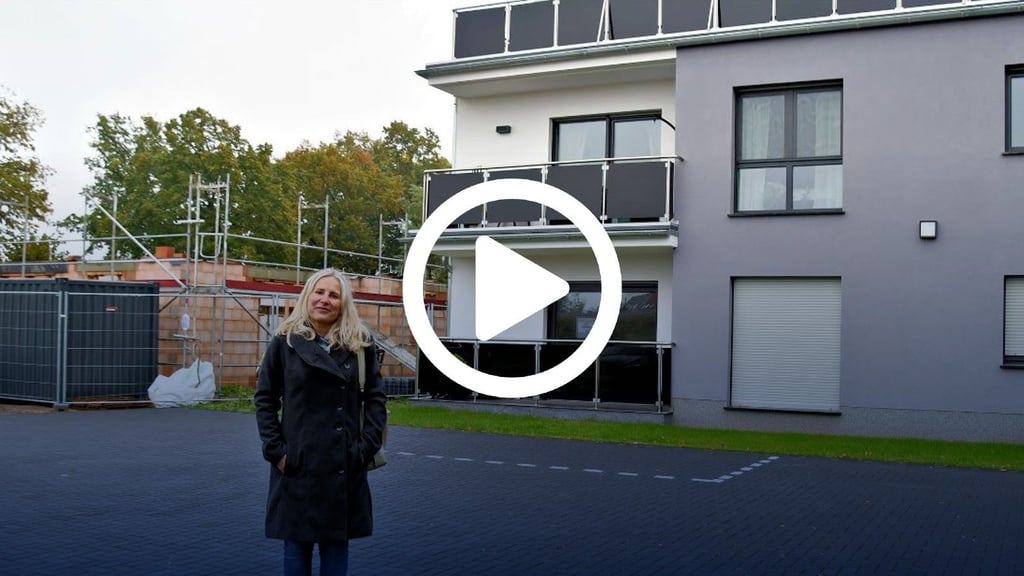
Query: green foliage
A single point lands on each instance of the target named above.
(145, 166)
(24, 202)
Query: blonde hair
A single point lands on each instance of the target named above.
(348, 331)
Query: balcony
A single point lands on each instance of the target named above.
(520, 27)
(626, 376)
(622, 193)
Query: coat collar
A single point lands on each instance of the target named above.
(312, 354)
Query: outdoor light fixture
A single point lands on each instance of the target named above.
(929, 229)
(503, 129)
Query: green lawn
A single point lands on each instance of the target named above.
(934, 452)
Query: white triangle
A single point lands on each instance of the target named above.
(509, 288)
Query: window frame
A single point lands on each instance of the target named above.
(609, 130)
(790, 160)
(1015, 71)
(551, 314)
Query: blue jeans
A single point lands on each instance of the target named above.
(298, 558)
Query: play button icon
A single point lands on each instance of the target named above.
(509, 288)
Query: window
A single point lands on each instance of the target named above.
(1013, 322)
(1015, 109)
(789, 150)
(594, 138)
(572, 317)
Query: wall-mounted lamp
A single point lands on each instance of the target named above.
(928, 229)
(503, 129)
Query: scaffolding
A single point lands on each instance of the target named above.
(212, 306)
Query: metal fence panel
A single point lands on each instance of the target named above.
(28, 341)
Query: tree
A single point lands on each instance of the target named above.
(24, 202)
(355, 190)
(405, 153)
(144, 168)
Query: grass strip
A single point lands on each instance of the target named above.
(996, 456)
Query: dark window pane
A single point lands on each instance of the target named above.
(479, 32)
(762, 189)
(574, 314)
(633, 18)
(578, 21)
(819, 124)
(684, 15)
(763, 133)
(797, 9)
(855, 6)
(581, 140)
(532, 26)
(743, 12)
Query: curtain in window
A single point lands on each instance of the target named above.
(581, 140)
(762, 137)
(819, 124)
(637, 138)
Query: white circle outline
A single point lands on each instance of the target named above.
(608, 270)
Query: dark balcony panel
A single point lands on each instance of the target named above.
(514, 210)
(480, 32)
(855, 6)
(636, 191)
(510, 360)
(583, 182)
(442, 186)
(684, 15)
(918, 3)
(629, 374)
(532, 26)
(578, 21)
(798, 9)
(633, 18)
(580, 387)
(433, 382)
(744, 12)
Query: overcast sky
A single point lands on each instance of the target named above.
(283, 70)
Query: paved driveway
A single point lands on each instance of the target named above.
(181, 492)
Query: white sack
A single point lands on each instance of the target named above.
(186, 386)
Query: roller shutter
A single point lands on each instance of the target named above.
(785, 343)
(1013, 341)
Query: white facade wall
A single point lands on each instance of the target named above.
(530, 114)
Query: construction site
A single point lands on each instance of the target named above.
(99, 330)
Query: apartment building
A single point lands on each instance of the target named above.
(818, 206)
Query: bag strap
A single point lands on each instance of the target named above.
(362, 386)
(362, 371)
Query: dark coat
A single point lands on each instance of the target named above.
(323, 494)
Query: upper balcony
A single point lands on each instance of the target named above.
(632, 197)
(525, 30)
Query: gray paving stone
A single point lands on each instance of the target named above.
(181, 492)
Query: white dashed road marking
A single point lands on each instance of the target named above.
(626, 474)
(735, 473)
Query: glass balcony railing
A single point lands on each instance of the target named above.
(512, 27)
(630, 373)
(616, 190)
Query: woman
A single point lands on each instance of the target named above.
(316, 448)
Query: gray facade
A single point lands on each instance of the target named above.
(923, 139)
